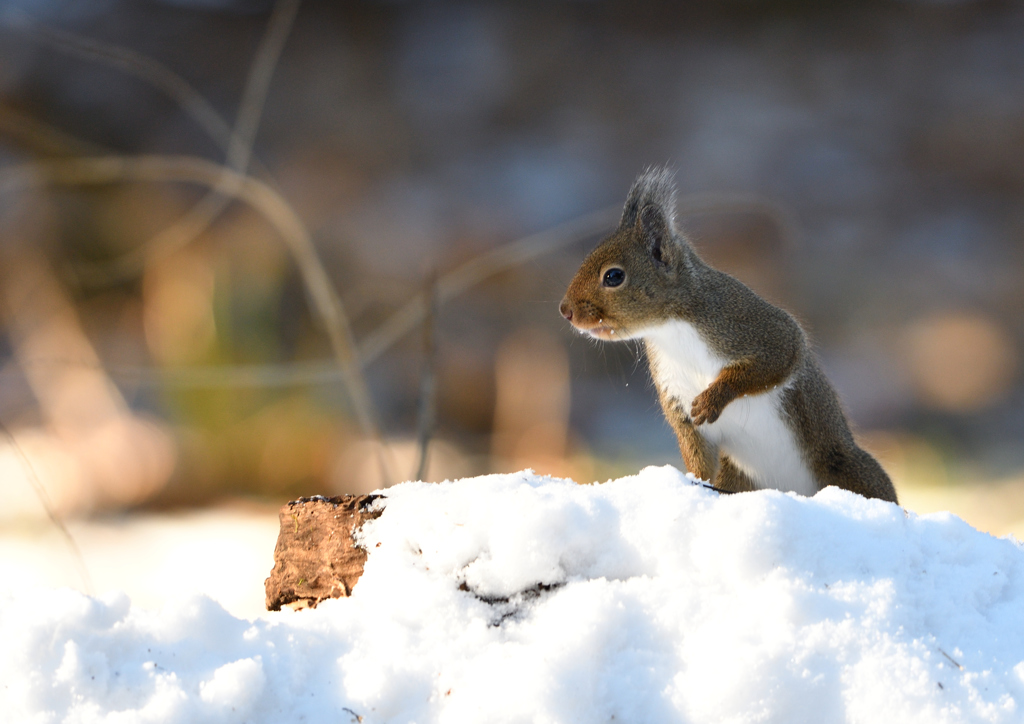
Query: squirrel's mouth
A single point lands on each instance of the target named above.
(600, 331)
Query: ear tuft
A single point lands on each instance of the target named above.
(655, 187)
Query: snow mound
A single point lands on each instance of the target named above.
(519, 598)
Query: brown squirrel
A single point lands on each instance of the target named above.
(735, 374)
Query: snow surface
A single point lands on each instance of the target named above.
(518, 598)
(223, 552)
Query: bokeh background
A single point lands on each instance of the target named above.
(254, 250)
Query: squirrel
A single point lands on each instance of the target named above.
(735, 375)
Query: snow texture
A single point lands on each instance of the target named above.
(519, 598)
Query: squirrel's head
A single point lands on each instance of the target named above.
(635, 277)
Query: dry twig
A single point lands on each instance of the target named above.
(445, 288)
(263, 199)
(42, 138)
(428, 380)
(44, 500)
(239, 154)
(478, 269)
(528, 248)
(129, 62)
(953, 661)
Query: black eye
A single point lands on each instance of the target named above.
(613, 277)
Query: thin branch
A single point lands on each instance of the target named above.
(291, 374)
(953, 661)
(718, 203)
(426, 415)
(412, 314)
(263, 199)
(178, 235)
(136, 65)
(43, 138)
(44, 499)
(239, 154)
(477, 270)
(254, 98)
(129, 62)
(530, 247)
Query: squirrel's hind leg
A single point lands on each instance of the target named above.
(733, 479)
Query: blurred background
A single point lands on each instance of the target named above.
(252, 250)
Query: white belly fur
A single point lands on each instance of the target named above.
(751, 430)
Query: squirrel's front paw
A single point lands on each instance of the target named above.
(708, 405)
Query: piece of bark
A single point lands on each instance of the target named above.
(316, 557)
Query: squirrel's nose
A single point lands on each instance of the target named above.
(566, 309)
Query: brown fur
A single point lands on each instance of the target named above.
(664, 279)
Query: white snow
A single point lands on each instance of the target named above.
(224, 552)
(519, 598)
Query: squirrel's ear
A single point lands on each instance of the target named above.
(649, 210)
(655, 231)
(654, 186)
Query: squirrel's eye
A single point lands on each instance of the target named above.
(613, 277)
